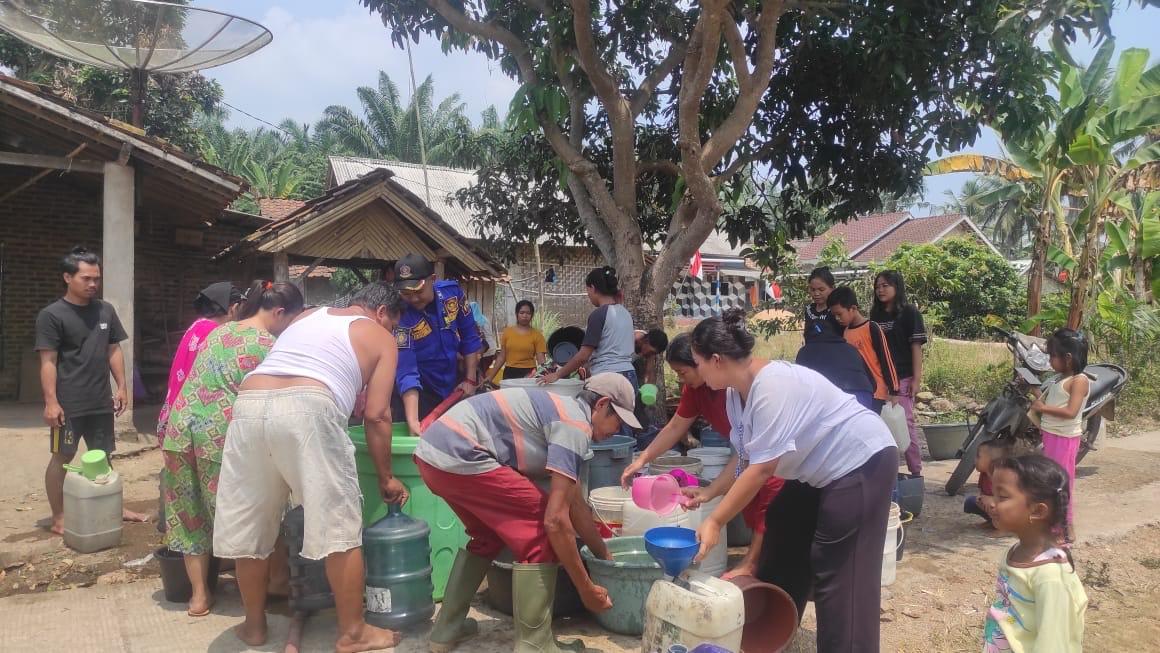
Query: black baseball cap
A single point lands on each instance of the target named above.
(411, 271)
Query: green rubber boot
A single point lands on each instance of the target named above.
(452, 626)
(534, 590)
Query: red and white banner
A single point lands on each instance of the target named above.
(695, 266)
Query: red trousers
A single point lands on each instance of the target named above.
(754, 513)
(501, 508)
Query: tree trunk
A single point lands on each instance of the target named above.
(1038, 265)
(1086, 271)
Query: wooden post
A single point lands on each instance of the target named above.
(539, 275)
(281, 266)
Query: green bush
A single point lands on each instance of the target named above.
(960, 284)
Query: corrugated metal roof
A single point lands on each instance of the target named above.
(445, 182)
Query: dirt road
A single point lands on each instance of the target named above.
(945, 581)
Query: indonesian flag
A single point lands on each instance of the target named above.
(695, 266)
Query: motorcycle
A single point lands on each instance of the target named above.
(1006, 416)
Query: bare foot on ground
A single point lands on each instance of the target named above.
(56, 525)
(743, 568)
(369, 638)
(199, 607)
(135, 517)
(251, 635)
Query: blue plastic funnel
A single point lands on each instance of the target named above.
(672, 547)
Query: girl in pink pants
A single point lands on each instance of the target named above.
(1060, 405)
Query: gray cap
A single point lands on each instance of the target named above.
(619, 390)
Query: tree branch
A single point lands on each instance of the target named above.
(620, 117)
(737, 52)
(659, 167)
(648, 86)
(733, 127)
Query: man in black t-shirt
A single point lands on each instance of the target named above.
(78, 339)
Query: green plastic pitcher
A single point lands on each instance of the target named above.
(648, 394)
(93, 465)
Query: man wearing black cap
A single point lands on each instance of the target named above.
(435, 330)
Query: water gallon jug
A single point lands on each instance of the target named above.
(92, 504)
(695, 609)
(309, 587)
(398, 559)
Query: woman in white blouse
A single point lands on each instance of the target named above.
(824, 531)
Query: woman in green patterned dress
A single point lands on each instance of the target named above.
(195, 436)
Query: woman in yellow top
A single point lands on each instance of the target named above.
(521, 347)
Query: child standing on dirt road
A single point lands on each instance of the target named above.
(985, 456)
(870, 341)
(1040, 601)
(1060, 405)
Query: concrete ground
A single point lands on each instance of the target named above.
(945, 581)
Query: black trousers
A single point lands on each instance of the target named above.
(428, 400)
(829, 541)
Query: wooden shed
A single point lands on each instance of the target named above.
(369, 223)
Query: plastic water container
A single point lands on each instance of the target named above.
(628, 577)
(713, 460)
(309, 588)
(637, 520)
(610, 459)
(608, 503)
(398, 571)
(709, 610)
(890, 547)
(666, 464)
(563, 387)
(716, 561)
(447, 533)
(92, 511)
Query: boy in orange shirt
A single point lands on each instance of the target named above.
(870, 341)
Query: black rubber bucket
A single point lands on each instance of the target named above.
(175, 581)
(564, 343)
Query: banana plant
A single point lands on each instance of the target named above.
(1132, 252)
(1095, 132)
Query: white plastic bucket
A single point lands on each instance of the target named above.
(717, 559)
(713, 459)
(637, 520)
(564, 387)
(608, 503)
(893, 542)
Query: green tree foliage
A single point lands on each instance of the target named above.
(1004, 209)
(958, 283)
(390, 129)
(655, 103)
(172, 102)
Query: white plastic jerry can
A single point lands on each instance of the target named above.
(709, 610)
(92, 511)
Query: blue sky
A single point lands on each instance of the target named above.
(323, 50)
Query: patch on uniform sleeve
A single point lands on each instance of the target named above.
(465, 309)
(420, 330)
(450, 310)
(403, 338)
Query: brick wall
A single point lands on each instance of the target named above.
(43, 222)
(565, 297)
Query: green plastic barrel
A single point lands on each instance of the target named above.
(447, 534)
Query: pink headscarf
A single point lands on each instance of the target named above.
(191, 343)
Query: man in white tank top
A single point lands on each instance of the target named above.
(288, 439)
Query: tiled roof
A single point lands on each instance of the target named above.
(276, 208)
(914, 230)
(319, 271)
(445, 182)
(857, 234)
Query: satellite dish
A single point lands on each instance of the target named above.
(137, 36)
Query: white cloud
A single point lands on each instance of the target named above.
(317, 61)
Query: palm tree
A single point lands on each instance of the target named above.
(1004, 209)
(390, 130)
